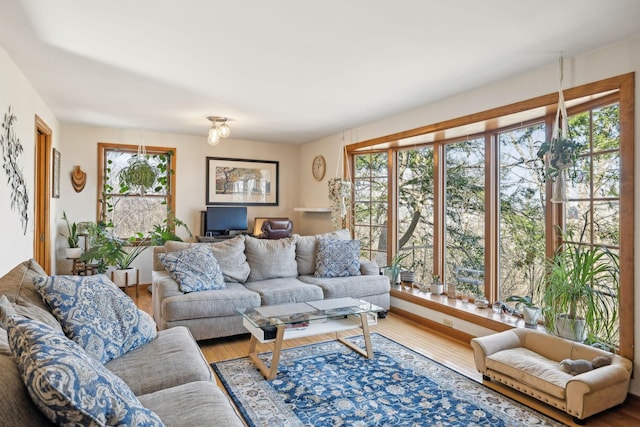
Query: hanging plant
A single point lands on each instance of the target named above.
(138, 177)
(561, 153)
(340, 197)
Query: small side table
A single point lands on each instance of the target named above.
(81, 268)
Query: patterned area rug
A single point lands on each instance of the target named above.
(326, 384)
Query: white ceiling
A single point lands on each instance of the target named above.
(289, 71)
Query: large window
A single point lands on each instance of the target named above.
(136, 188)
(469, 198)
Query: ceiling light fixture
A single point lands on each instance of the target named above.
(219, 129)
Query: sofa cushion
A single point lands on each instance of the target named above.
(18, 285)
(284, 291)
(194, 404)
(229, 253)
(176, 306)
(96, 314)
(174, 347)
(355, 286)
(307, 248)
(530, 368)
(69, 386)
(270, 259)
(337, 258)
(195, 269)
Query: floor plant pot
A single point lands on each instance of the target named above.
(571, 329)
(126, 278)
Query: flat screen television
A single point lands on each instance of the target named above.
(221, 220)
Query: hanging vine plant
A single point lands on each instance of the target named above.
(139, 177)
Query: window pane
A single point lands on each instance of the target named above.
(606, 128)
(464, 207)
(371, 205)
(137, 214)
(606, 218)
(415, 211)
(606, 173)
(522, 212)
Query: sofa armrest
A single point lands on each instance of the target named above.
(369, 268)
(490, 344)
(597, 390)
(597, 379)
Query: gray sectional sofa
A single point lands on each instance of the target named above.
(258, 272)
(168, 375)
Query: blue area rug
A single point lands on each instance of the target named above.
(326, 384)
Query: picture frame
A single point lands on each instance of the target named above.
(243, 182)
(55, 175)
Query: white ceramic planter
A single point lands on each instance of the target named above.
(571, 329)
(73, 253)
(437, 288)
(123, 278)
(531, 315)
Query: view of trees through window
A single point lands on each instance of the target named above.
(411, 195)
(136, 190)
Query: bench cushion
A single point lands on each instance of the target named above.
(532, 369)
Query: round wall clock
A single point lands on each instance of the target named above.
(319, 167)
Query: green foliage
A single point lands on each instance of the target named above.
(525, 300)
(582, 282)
(164, 232)
(73, 239)
(561, 153)
(109, 251)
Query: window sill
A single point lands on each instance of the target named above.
(466, 311)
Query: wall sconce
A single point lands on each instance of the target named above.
(219, 129)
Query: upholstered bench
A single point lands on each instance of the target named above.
(529, 361)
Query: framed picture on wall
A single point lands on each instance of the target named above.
(55, 175)
(242, 182)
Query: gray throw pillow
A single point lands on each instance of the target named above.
(269, 259)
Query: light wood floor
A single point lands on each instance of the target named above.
(455, 354)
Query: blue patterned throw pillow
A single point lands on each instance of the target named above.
(69, 386)
(195, 269)
(96, 314)
(338, 258)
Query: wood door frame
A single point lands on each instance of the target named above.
(42, 179)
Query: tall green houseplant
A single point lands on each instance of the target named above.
(580, 294)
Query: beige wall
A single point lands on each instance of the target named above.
(26, 103)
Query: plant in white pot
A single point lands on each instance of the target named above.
(108, 250)
(525, 305)
(580, 293)
(73, 239)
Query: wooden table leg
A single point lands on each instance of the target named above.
(367, 339)
(271, 372)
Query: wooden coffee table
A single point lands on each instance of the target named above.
(282, 322)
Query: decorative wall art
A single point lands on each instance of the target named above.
(11, 150)
(78, 179)
(241, 182)
(55, 183)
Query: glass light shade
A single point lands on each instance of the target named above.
(214, 136)
(224, 130)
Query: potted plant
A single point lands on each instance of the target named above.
(392, 271)
(580, 292)
(73, 239)
(437, 288)
(108, 250)
(530, 312)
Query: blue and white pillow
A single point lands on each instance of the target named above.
(69, 386)
(337, 258)
(195, 269)
(96, 314)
